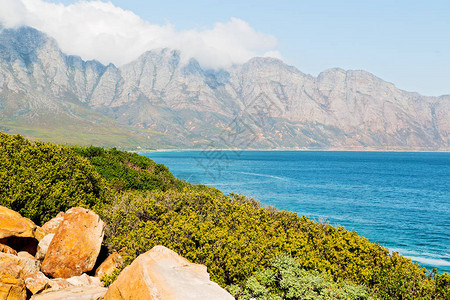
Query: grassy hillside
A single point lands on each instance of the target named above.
(255, 251)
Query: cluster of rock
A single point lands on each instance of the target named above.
(57, 261)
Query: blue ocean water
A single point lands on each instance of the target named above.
(400, 200)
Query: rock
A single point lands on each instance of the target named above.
(162, 274)
(42, 247)
(25, 254)
(13, 224)
(59, 284)
(73, 293)
(39, 233)
(112, 263)
(37, 282)
(12, 285)
(52, 225)
(27, 265)
(84, 280)
(7, 249)
(76, 244)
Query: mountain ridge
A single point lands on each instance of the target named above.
(164, 103)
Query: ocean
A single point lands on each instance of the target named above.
(400, 200)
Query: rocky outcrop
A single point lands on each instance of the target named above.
(157, 274)
(162, 274)
(76, 244)
(21, 271)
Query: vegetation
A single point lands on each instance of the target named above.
(286, 279)
(129, 171)
(39, 180)
(264, 252)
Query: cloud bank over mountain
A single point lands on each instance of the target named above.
(102, 31)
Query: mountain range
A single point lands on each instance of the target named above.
(157, 101)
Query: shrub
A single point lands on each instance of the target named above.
(129, 171)
(41, 179)
(286, 279)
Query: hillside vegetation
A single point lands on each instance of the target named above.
(255, 251)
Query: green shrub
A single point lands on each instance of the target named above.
(41, 179)
(286, 279)
(129, 171)
(235, 237)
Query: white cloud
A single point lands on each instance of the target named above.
(103, 31)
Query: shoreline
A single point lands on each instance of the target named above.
(299, 150)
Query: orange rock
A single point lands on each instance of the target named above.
(12, 271)
(12, 285)
(76, 244)
(84, 280)
(26, 265)
(39, 233)
(24, 254)
(162, 274)
(52, 225)
(112, 263)
(7, 249)
(36, 282)
(13, 224)
(59, 284)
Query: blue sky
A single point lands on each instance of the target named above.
(404, 42)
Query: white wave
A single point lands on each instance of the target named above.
(262, 175)
(429, 261)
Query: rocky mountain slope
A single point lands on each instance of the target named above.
(156, 101)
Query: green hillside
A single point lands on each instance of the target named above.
(256, 252)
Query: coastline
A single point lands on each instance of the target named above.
(298, 149)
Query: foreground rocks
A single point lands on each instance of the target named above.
(23, 245)
(12, 224)
(72, 247)
(76, 244)
(162, 274)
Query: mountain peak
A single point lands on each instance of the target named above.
(279, 106)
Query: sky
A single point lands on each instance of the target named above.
(403, 42)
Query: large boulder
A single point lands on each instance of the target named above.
(76, 244)
(112, 263)
(13, 224)
(162, 274)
